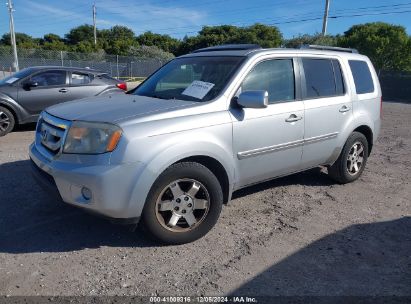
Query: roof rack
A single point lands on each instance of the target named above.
(328, 48)
(229, 47)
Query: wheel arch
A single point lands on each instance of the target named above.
(216, 168)
(13, 111)
(367, 132)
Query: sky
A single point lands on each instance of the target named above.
(179, 18)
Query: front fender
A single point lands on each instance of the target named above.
(171, 155)
(11, 103)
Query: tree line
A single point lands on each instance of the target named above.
(387, 45)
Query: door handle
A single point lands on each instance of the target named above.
(63, 90)
(344, 109)
(293, 118)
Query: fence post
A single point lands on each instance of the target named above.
(131, 69)
(118, 73)
(61, 56)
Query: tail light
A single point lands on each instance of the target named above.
(381, 108)
(122, 85)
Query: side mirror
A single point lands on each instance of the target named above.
(30, 84)
(253, 99)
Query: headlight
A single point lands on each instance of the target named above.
(91, 138)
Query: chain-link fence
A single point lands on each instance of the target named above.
(124, 67)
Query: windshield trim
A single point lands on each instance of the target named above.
(229, 80)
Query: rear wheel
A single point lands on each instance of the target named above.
(7, 121)
(352, 160)
(183, 204)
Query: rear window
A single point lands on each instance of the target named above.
(323, 77)
(362, 76)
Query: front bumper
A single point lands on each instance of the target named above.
(45, 181)
(110, 185)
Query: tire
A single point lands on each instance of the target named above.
(183, 204)
(7, 121)
(355, 151)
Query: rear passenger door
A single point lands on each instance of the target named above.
(327, 108)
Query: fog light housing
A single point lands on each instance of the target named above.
(86, 193)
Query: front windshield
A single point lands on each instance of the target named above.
(192, 78)
(16, 76)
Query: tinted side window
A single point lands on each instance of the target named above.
(80, 78)
(274, 76)
(50, 78)
(319, 77)
(362, 76)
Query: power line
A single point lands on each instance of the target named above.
(373, 7)
(370, 14)
(397, 8)
(278, 20)
(311, 19)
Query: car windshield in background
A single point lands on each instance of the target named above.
(192, 78)
(16, 76)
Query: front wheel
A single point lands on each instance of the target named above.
(6, 121)
(183, 204)
(352, 160)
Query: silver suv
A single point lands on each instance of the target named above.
(172, 151)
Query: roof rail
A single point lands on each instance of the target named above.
(229, 47)
(328, 48)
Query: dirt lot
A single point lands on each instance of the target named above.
(299, 235)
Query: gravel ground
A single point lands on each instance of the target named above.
(299, 235)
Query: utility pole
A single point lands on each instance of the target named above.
(94, 23)
(13, 37)
(327, 8)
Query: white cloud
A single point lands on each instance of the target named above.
(40, 9)
(143, 17)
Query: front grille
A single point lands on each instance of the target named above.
(50, 134)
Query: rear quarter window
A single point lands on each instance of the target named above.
(362, 76)
(78, 78)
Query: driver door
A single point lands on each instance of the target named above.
(268, 142)
(52, 88)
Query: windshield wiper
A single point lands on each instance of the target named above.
(153, 96)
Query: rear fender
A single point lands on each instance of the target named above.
(357, 121)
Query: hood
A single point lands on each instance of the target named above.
(114, 108)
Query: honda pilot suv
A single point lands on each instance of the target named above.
(171, 152)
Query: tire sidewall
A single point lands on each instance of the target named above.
(183, 170)
(354, 137)
(11, 118)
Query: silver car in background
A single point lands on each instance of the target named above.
(170, 153)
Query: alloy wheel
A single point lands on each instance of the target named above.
(4, 121)
(182, 205)
(355, 158)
